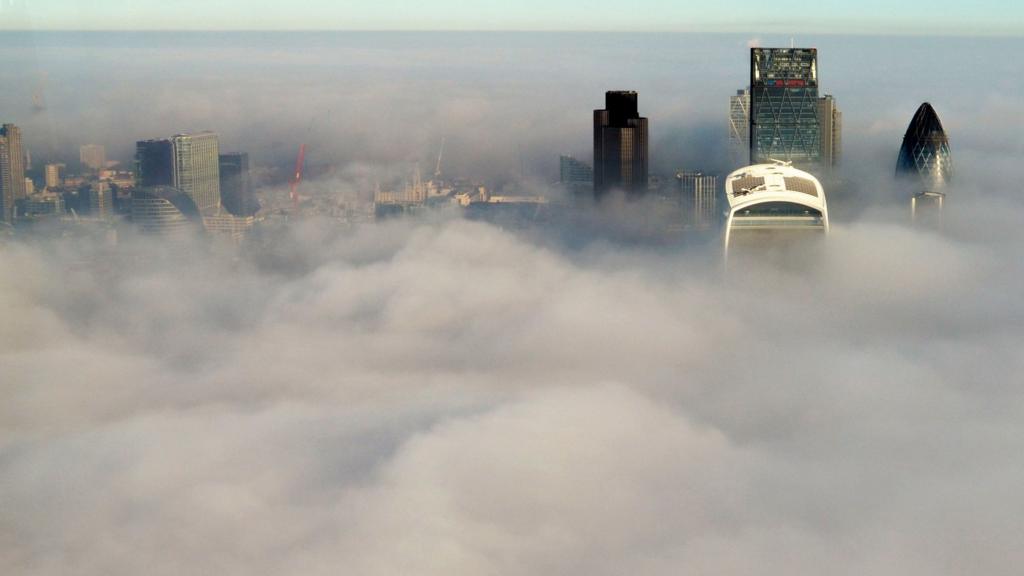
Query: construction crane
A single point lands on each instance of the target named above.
(299, 163)
(437, 170)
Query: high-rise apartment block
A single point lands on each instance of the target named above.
(620, 146)
(188, 162)
(784, 108)
(12, 170)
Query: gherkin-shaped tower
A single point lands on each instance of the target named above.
(925, 152)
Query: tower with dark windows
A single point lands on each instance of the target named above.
(189, 162)
(620, 146)
(784, 108)
(925, 166)
(925, 156)
(236, 192)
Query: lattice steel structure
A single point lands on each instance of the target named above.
(784, 123)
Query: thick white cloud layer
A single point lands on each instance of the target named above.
(445, 397)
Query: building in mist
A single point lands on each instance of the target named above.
(43, 204)
(620, 146)
(53, 176)
(165, 211)
(236, 193)
(774, 202)
(698, 194)
(575, 176)
(924, 166)
(924, 157)
(100, 202)
(188, 162)
(573, 171)
(830, 119)
(154, 163)
(739, 127)
(93, 156)
(12, 170)
(784, 123)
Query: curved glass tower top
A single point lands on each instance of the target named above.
(925, 151)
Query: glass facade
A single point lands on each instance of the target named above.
(189, 162)
(739, 127)
(236, 192)
(784, 123)
(925, 152)
(620, 146)
(197, 169)
(165, 211)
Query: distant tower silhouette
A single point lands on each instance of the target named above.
(620, 146)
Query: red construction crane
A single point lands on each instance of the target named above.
(299, 163)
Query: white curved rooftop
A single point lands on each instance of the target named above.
(778, 182)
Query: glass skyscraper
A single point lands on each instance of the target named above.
(784, 122)
(236, 186)
(189, 162)
(620, 146)
(925, 154)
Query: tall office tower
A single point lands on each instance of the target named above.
(924, 156)
(925, 166)
(772, 204)
(12, 169)
(784, 106)
(189, 162)
(6, 186)
(93, 156)
(739, 127)
(52, 176)
(236, 192)
(30, 187)
(698, 194)
(620, 146)
(197, 169)
(831, 120)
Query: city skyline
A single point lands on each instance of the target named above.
(408, 341)
(987, 17)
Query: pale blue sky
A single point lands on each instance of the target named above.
(778, 16)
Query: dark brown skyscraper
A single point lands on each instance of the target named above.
(620, 146)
